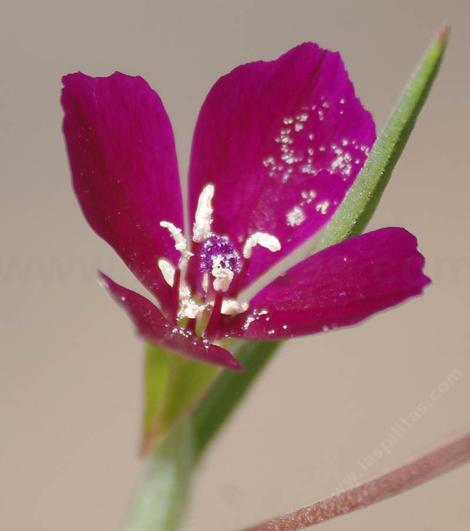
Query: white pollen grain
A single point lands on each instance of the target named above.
(295, 216)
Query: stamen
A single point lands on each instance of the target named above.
(268, 241)
(223, 278)
(203, 216)
(188, 307)
(181, 244)
(217, 257)
(216, 317)
(168, 271)
(233, 307)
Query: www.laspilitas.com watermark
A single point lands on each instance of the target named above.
(398, 430)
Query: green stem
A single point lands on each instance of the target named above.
(160, 501)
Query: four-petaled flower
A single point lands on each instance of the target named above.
(277, 145)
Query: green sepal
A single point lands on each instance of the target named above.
(172, 385)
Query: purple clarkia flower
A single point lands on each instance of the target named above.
(277, 145)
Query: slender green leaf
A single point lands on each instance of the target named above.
(363, 197)
(227, 392)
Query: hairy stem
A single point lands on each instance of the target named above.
(422, 469)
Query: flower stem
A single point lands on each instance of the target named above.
(159, 503)
(160, 500)
(422, 469)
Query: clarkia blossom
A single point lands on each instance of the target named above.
(276, 147)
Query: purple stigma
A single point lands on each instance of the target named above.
(219, 252)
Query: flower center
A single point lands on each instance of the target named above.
(219, 263)
(219, 252)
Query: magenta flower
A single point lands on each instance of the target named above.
(277, 145)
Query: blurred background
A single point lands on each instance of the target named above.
(70, 365)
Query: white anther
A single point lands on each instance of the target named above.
(203, 216)
(264, 239)
(233, 307)
(188, 307)
(223, 278)
(181, 244)
(184, 291)
(168, 271)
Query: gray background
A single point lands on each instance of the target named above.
(70, 376)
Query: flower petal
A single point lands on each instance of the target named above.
(123, 161)
(338, 286)
(152, 326)
(282, 141)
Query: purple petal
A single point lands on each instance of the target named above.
(338, 286)
(123, 161)
(152, 326)
(282, 141)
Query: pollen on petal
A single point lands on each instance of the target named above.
(295, 217)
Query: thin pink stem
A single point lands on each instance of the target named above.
(216, 316)
(193, 265)
(399, 480)
(175, 297)
(239, 278)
